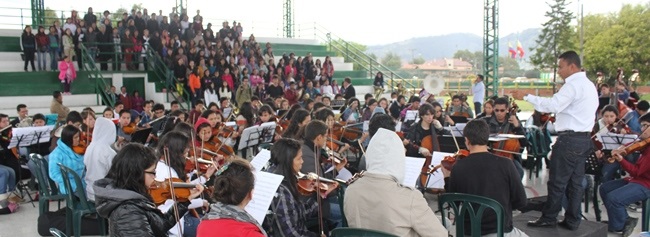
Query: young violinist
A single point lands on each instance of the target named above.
(378, 201)
(73, 118)
(488, 175)
(204, 140)
(618, 194)
(173, 149)
(488, 109)
(233, 191)
(459, 108)
(425, 127)
(63, 154)
(370, 108)
(290, 209)
(123, 196)
(125, 128)
(327, 116)
(215, 119)
(87, 128)
(9, 166)
(609, 123)
(351, 112)
(299, 119)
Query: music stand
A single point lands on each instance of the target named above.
(267, 132)
(249, 138)
(410, 115)
(612, 141)
(29, 136)
(456, 131)
(447, 143)
(459, 119)
(141, 136)
(602, 102)
(226, 112)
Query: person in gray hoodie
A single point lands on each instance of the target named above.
(99, 155)
(123, 196)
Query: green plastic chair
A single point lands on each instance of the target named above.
(358, 232)
(645, 215)
(47, 190)
(77, 204)
(454, 200)
(57, 233)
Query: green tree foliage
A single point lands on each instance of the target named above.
(391, 60)
(474, 58)
(418, 60)
(556, 36)
(117, 15)
(617, 40)
(51, 16)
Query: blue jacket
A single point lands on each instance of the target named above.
(66, 156)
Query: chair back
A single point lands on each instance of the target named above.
(46, 186)
(77, 198)
(464, 205)
(57, 233)
(358, 232)
(341, 195)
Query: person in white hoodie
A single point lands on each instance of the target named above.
(99, 155)
(404, 210)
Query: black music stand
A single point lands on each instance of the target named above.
(459, 119)
(141, 136)
(253, 136)
(447, 143)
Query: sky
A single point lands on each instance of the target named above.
(363, 21)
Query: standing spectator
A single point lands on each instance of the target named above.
(479, 93)
(54, 47)
(90, 41)
(128, 42)
(180, 74)
(70, 25)
(42, 44)
(90, 17)
(328, 69)
(77, 39)
(105, 47)
(348, 89)
(244, 92)
(67, 74)
(124, 98)
(117, 50)
(194, 83)
(28, 43)
(137, 102)
(106, 16)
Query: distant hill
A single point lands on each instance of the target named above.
(444, 46)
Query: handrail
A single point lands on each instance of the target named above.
(101, 87)
(157, 66)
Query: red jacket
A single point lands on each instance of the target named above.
(227, 228)
(639, 172)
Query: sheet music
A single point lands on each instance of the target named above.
(411, 115)
(249, 137)
(456, 131)
(267, 131)
(398, 126)
(260, 160)
(612, 141)
(413, 168)
(30, 135)
(266, 185)
(226, 112)
(507, 135)
(344, 174)
(366, 126)
(231, 124)
(436, 179)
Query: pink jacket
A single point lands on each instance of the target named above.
(63, 66)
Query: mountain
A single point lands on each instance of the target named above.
(444, 46)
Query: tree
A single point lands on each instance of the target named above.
(475, 58)
(556, 36)
(117, 15)
(391, 60)
(419, 60)
(51, 16)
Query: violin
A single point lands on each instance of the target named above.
(85, 138)
(307, 184)
(634, 147)
(448, 162)
(342, 129)
(328, 155)
(129, 129)
(161, 191)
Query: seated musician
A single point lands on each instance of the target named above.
(289, 209)
(147, 115)
(397, 106)
(377, 121)
(618, 194)
(196, 112)
(63, 154)
(299, 118)
(488, 109)
(125, 127)
(426, 126)
(609, 123)
(172, 150)
(351, 112)
(23, 120)
(117, 109)
(440, 116)
(315, 139)
(632, 117)
(458, 108)
(123, 196)
(327, 116)
(485, 174)
(215, 118)
(8, 166)
(108, 113)
(505, 123)
(233, 190)
(414, 104)
(370, 109)
(99, 154)
(378, 201)
(73, 118)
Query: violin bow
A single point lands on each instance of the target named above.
(172, 192)
(319, 200)
(454, 138)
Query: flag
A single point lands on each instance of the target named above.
(520, 49)
(511, 51)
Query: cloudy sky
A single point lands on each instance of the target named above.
(364, 21)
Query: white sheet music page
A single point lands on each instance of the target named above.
(412, 170)
(260, 160)
(436, 179)
(266, 184)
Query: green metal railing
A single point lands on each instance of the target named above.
(160, 70)
(101, 86)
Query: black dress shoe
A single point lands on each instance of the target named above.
(567, 226)
(541, 223)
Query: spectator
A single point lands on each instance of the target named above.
(90, 17)
(28, 43)
(54, 48)
(67, 74)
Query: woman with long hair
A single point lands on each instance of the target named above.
(290, 209)
(233, 190)
(123, 196)
(299, 119)
(351, 111)
(63, 154)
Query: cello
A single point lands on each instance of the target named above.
(509, 147)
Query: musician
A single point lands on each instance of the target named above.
(147, 115)
(124, 135)
(458, 108)
(38, 120)
(299, 119)
(57, 107)
(504, 122)
(485, 174)
(315, 139)
(618, 194)
(426, 126)
(174, 146)
(478, 89)
(9, 166)
(117, 109)
(22, 120)
(439, 115)
(99, 154)
(488, 110)
(414, 104)
(609, 123)
(397, 106)
(347, 90)
(199, 106)
(73, 118)
(63, 154)
(291, 212)
(379, 201)
(233, 190)
(108, 113)
(370, 108)
(574, 105)
(123, 196)
(623, 93)
(327, 116)
(632, 117)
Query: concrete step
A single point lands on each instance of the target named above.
(46, 110)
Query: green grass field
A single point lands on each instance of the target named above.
(523, 105)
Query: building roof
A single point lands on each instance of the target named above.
(440, 64)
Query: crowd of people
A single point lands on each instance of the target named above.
(231, 79)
